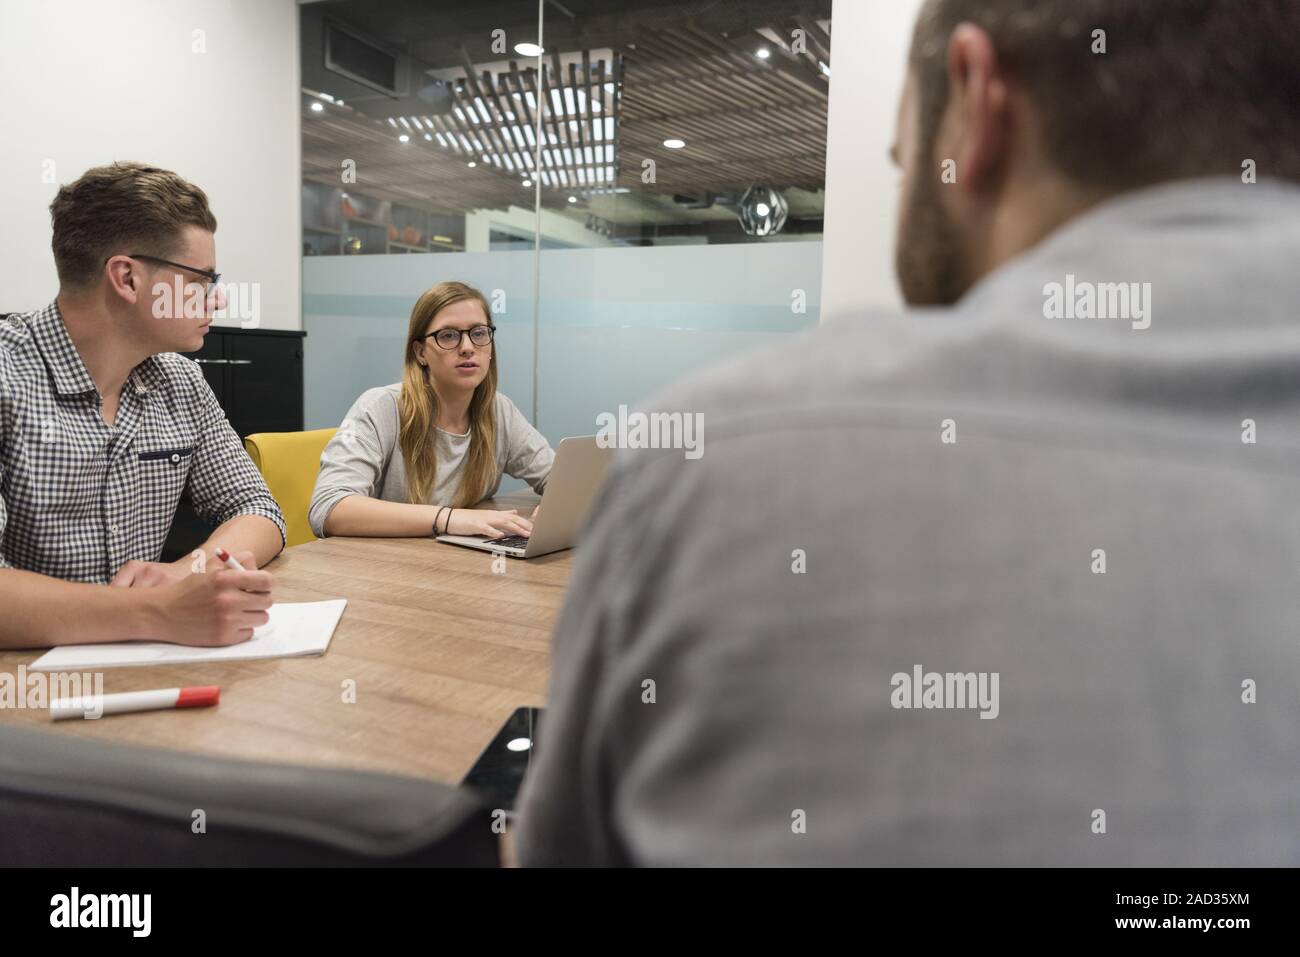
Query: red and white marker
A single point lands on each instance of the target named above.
(203, 696)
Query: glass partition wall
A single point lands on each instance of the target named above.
(636, 186)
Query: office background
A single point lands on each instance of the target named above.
(639, 283)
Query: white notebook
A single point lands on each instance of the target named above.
(295, 630)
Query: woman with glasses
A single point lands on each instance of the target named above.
(416, 457)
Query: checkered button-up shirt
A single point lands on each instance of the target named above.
(80, 498)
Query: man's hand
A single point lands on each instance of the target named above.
(138, 574)
(221, 607)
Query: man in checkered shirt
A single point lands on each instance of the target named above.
(103, 426)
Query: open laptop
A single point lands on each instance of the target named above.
(570, 489)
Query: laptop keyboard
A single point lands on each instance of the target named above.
(510, 541)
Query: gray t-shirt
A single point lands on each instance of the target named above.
(363, 457)
(1104, 516)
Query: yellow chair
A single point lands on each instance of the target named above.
(289, 462)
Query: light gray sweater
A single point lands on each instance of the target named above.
(363, 457)
(724, 666)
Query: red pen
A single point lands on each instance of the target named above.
(88, 706)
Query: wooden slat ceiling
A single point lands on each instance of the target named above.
(745, 120)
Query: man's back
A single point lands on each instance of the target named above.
(1084, 521)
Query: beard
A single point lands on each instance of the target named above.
(928, 257)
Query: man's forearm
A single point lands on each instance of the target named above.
(40, 611)
(246, 533)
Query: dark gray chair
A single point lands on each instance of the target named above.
(70, 802)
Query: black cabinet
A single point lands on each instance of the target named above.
(256, 375)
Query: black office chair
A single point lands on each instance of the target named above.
(71, 802)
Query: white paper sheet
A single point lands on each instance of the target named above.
(295, 630)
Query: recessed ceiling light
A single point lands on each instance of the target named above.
(762, 53)
(528, 182)
(317, 108)
(471, 164)
(528, 49)
(428, 136)
(404, 138)
(573, 199)
(674, 144)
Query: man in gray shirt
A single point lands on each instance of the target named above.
(1006, 582)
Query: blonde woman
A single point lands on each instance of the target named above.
(415, 458)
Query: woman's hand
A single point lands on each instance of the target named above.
(485, 521)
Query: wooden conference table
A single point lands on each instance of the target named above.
(441, 648)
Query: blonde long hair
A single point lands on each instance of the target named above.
(417, 407)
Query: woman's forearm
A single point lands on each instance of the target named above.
(359, 515)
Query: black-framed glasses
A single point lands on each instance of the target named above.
(449, 338)
(212, 277)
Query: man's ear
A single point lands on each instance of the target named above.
(125, 278)
(978, 105)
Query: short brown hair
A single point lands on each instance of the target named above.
(111, 208)
(1185, 88)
